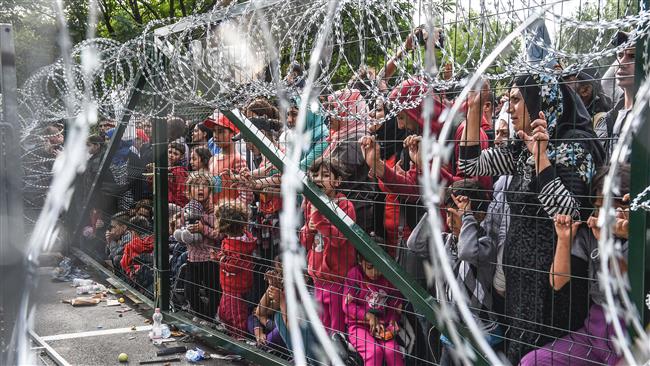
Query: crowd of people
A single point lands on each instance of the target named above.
(524, 184)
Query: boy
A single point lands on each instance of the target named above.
(178, 172)
(330, 254)
(137, 260)
(117, 236)
(473, 255)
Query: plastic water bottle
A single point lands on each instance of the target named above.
(90, 289)
(76, 282)
(156, 329)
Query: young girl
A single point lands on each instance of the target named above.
(200, 159)
(330, 254)
(593, 343)
(178, 172)
(236, 258)
(202, 269)
(372, 308)
(261, 323)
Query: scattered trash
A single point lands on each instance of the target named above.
(111, 302)
(176, 333)
(171, 351)
(123, 310)
(147, 321)
(166, 360)
(116, 291)
(76, 282)
(66, 272)
(100, 326)
(119, 315)
(156, 328)
(134, 328)
(132, 337)
(195, 355)
(123, 357)
(90, 289)
(164, 331)
(83, 301)
(121, 300)
(215, 356)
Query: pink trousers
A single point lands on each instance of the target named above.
(374, 351)
(330, 298)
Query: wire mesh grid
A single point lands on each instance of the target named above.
(526, 162)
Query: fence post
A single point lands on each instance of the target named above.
(161, 214)
(639, 235)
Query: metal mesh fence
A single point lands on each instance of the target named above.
(504, 235)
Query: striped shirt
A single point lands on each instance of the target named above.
(554, 196)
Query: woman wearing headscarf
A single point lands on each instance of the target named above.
(316, 127)
(347, 126)
(552, 163)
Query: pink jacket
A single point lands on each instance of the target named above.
(362, 295)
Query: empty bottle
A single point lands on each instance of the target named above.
(76, 282)
(156, 329)
(90, 289)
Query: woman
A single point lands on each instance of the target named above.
(552, 164)
(315, 125)
(200, 135)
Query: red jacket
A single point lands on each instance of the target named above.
(406, 183)
(330, 254)
(236, 269)
(176, 188)
(133, 249)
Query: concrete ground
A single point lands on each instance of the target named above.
(81, 335)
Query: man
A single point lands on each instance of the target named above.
(609, 127)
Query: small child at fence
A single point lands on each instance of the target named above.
(236, 262)
(593, 343)
(330, 254)
(202, 269)
(178, 174)
(117, 236)
(473, 257)
(261, 322)
(372, 308)
(141, 243)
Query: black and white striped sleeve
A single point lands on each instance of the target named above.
(554, 195)
(488, 162)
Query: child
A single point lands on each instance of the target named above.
(330, 254)
(473, 256)
(591, 344)
(178, 172)
(137, 261)
(202, 270)
(372, 308)
(117, 236)
(261, 323)
(236, 258)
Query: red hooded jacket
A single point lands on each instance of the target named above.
(134, 248)
(236, 269)
(330, 255)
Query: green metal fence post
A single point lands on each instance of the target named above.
(639, 242)
(421, 299)
(161, 215)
